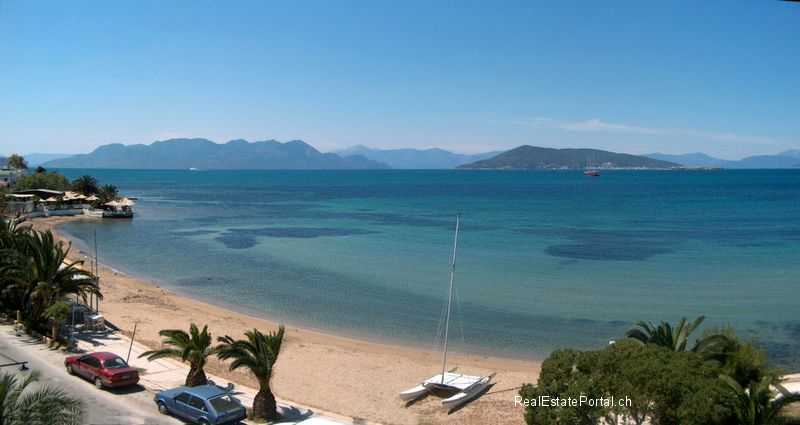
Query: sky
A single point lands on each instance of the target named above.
(720, 77)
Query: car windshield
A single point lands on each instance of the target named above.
(116, 363)
(224, 403)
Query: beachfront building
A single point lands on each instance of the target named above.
(46, 202)
(9, 176)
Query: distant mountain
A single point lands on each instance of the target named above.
(794, 153)
(204, 154)
(786, 159)
(765, 161)
(690, 159)
(36, 159)
(528, 157)
(416, 158)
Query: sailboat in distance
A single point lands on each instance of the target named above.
(467, 387)
(591, 170)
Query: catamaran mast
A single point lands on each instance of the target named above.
(450, 297)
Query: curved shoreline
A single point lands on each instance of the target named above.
(346, 375)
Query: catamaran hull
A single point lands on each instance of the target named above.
(413, 393)
(466, 395)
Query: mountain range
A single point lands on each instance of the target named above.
(296, 154)
(206, 155)
(785, 159)
(434, 158)
(533, 157)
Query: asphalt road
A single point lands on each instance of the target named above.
(133, 405)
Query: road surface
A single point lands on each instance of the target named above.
(132, 405)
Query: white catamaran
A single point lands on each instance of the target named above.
(467, 386)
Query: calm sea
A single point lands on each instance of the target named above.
(546, 259)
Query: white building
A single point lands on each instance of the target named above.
(9, 176)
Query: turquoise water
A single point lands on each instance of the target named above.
(547, 259)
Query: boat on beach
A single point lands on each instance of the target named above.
(466, 387)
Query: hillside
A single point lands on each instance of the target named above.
(206, 155)
(532, 157)
(416, 159)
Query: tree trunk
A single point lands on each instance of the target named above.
(196, 377)
(264, 406)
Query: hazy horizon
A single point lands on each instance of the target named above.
(335, 150)
(674, 78)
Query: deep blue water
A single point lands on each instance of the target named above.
(547, 259)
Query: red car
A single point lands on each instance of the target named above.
(104, 369)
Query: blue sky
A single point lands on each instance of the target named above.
(722, 77)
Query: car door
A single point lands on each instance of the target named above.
(182, 404)
(197, 408)
(79, 367)
(84, 366)
(92, 367)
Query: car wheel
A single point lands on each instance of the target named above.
(162, 408)
(69, 369)
(202, 422)
(98, 383)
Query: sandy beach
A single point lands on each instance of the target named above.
(351, 377)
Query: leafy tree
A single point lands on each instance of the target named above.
(51, 180)
(40, 170)
(45, 405)
(565, 374)
(17, 161)
(664, 335)
(86, 185)
(663, 387)
(108, 193)
(259, 353)
(194, 347)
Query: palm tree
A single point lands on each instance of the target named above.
(86, 185)
(194, 347)
(664, 335)
(47, 277)
(44, 405)
(108, 193)
(13, 243)
(755, 404)
(258, 352)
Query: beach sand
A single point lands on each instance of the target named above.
(346, 376)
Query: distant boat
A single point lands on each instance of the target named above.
(467, 387)
(192, 169)
(591, 170)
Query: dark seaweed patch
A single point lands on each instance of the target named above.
(246, 238)
(614, 245)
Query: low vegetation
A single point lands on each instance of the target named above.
(721, 380)
(43, 179)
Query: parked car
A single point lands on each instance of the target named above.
(104, 369)
(204, 404)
